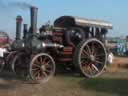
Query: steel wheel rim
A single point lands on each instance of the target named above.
(42, 67)
(10, 56)
(92, 58)
(19, 64)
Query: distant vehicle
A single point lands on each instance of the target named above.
(121, 47)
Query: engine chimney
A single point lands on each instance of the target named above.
(25, 30)
(18, 27)
(33, 19)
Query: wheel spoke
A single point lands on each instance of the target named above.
(85, 58)
(45, 74)
(48, 67)
(36, 65)
(47, 63)
(84, 53)
(41, 59)
(44, 59)
(36, 73)
(99, 62)
(93, 48)
(89, 69)
(87, 46)
(48, 71)
(83, 63)
(93, 65)
(95, 52)
(37, 61)
(101, 55)
(35, 69)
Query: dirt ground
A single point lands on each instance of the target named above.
(119, 62)
(110, 83)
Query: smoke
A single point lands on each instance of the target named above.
(21, 5)
(3, 4)
(12, 4)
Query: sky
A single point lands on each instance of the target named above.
(114, 11)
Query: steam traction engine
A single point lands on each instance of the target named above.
(71, 40)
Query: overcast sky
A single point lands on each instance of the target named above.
(114, 11)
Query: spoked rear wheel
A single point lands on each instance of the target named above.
(90, 58)
(42, 67)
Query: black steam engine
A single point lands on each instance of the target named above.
(71, 40)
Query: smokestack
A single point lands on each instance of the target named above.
(18, 27)
(25, 30)
(33, 19)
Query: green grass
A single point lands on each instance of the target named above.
(106, 85)
(109, 84)
(67, 84)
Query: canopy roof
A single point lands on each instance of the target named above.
(70, 21)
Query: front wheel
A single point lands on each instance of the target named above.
(20, 64)
(42, 67)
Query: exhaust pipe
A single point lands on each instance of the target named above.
(18, 27)
(25, 30)
(33, 13)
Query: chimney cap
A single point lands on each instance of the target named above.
(34, 7)
(19, 18)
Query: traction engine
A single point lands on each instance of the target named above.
(71, 40)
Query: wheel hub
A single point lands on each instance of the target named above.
(92, 57)
(43, 68)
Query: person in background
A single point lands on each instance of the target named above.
(110, 58)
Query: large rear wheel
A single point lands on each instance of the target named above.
(90, 58)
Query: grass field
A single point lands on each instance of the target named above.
(110, 83)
